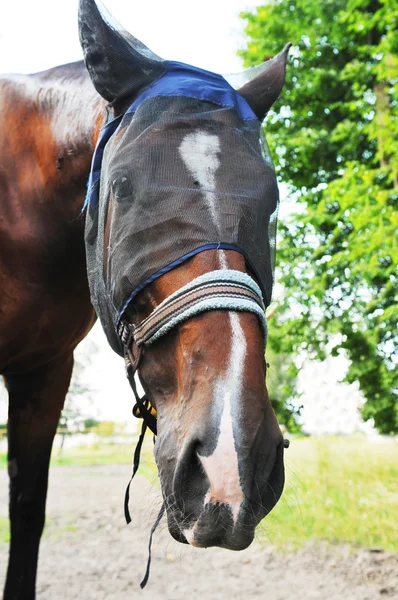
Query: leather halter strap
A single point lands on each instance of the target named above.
(224, 289)
(217, 290)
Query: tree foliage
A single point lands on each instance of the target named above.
(281, 385)
(81, 388)
(335, 139)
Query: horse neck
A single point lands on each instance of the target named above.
(51, 122)
(75, 109)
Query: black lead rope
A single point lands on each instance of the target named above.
(136, 464)
(148, 565)
(141, 409)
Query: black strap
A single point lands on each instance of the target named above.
(136, 464)
(142, 403)
(148, 565)
(141, 409)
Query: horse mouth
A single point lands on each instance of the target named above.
(215, 526)
(202, 520)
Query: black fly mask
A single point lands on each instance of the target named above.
(184, 168)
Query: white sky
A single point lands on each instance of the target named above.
(39, 34)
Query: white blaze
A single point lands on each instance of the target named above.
(200, 153)
(222, 466)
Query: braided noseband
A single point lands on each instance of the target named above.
(217, 290)
(224, 289)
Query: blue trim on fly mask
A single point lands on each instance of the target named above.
(185, 80)
(95, 174)
(179, 80)
(171, 266)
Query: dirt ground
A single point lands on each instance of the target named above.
(88, 553)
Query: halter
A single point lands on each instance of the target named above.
(224, 289)
(217, 290)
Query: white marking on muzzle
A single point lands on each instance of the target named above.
(199, 151)
(222, 466)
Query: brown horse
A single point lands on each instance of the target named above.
(219, 449)
(49, 124)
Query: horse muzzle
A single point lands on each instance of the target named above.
(205, 508)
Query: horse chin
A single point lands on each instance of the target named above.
(215, 526)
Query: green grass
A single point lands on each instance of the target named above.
(96, 454)
(107, 454)
(100, 454)
(4, 530)
(337, 489)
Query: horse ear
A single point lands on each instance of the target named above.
(119, 65)
(262, 91)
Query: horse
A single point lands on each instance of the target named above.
(49, 125)
(219, 449)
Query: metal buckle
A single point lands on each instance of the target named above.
(126, 332)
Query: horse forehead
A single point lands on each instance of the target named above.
(193, 157)
(199, 151)
(167, 147)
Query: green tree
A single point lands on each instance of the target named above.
(281, 385)
(335, 139)
(73, 415)
(90, 423)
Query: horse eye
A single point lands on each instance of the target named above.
(122, 188)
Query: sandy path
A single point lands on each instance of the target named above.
(88, 553)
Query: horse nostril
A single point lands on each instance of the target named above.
(190, 482)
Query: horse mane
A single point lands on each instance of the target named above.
(64, 95)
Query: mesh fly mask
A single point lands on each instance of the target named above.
(186, 168)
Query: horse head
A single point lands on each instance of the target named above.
(180, 209)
